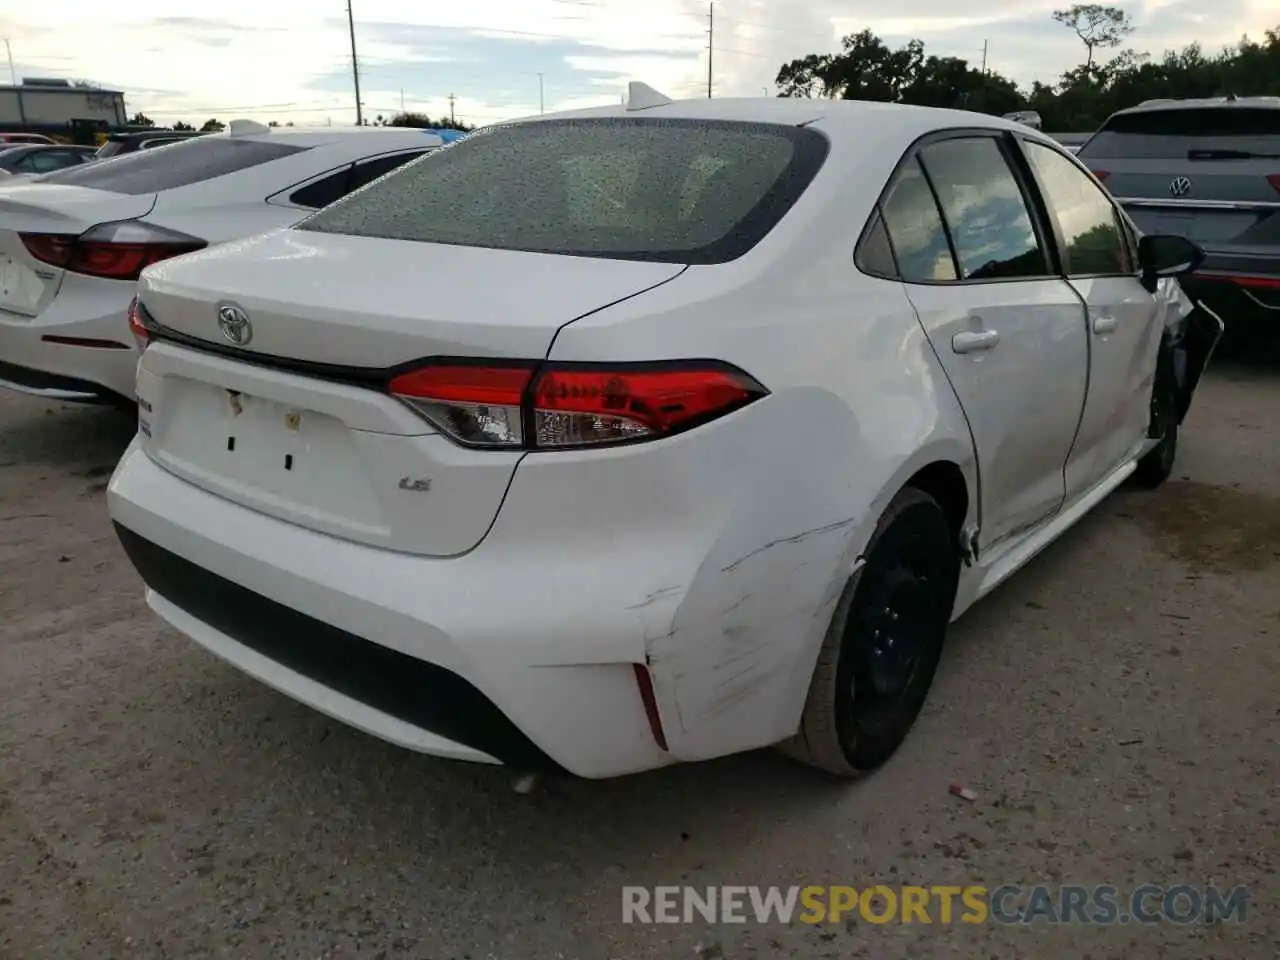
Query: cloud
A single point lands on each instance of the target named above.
(489, 60)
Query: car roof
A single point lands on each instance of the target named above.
(838, 117)
(152, 134)
(319, 136)
(40, 147)
(1200, 103)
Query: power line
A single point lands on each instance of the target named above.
(355, 64)
(711, 41)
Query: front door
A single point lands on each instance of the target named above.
(1124, 322)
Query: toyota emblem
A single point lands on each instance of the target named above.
(1180, 186)
(234, 324)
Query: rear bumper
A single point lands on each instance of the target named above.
(420, 652)
(1239, 284)
(79, 348)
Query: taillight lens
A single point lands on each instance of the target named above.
(138, 325)
(568, 405)
(1101, 174)
(475, 404)
(112, 251)
(1274, 180)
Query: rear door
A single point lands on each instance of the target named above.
(1209, 173)
(1008, 332)
(1124, 320)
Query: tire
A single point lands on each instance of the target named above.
(1156, 465)
(865, 695)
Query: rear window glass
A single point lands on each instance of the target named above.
(677, 191)
(177, 165)
(109, 149)
(1174, 133)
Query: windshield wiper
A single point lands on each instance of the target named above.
(1230, 155)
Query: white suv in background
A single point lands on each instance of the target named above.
(72, 243)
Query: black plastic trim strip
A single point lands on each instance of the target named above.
(415, 691)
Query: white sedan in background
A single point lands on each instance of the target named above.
(647, 434)
(73, 243)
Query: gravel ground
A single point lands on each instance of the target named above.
(1114, 707)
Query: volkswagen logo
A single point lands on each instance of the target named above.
(234, 324)
(1180, 186)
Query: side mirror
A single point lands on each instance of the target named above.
(1167, 255)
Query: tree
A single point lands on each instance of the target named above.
(1096, 26)
(141, 120)
(422, 121)
(183, 126)
(213, 126)
(1081, 100)
(867, 69)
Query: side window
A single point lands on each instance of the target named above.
(371, 170)
(985, 210)
(1092, 230)
(46, 161)
(914, 225)
(321, 193)
(875, 254)
(26, 164)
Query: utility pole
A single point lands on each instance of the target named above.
(542, 103)
(13, 74)
(984, 57)
(711, 42)
(355, 65)
(452, 98)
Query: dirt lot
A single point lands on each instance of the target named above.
(1115, 707)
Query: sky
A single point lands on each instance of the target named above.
(290, 60)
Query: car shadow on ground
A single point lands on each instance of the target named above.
(73, 437)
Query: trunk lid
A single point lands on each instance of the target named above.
(374, 303)
(297, 423)
(28, 285)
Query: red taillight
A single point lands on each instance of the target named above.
(572, 405)
(137, 326)
(112, 251)
(1274, 180)
(1101, 174)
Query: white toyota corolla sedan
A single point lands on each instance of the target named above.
(646, 434)
(72, 243)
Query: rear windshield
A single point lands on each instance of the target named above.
(1178, 132)
(109, 149)
(676, 191)
(175, 165)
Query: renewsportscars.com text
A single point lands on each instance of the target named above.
(1007, 904)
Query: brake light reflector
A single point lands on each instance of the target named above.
(111, 251)
(566, 405)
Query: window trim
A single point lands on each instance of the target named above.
(1029, 189)
(1122, 224)
(281, 198)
